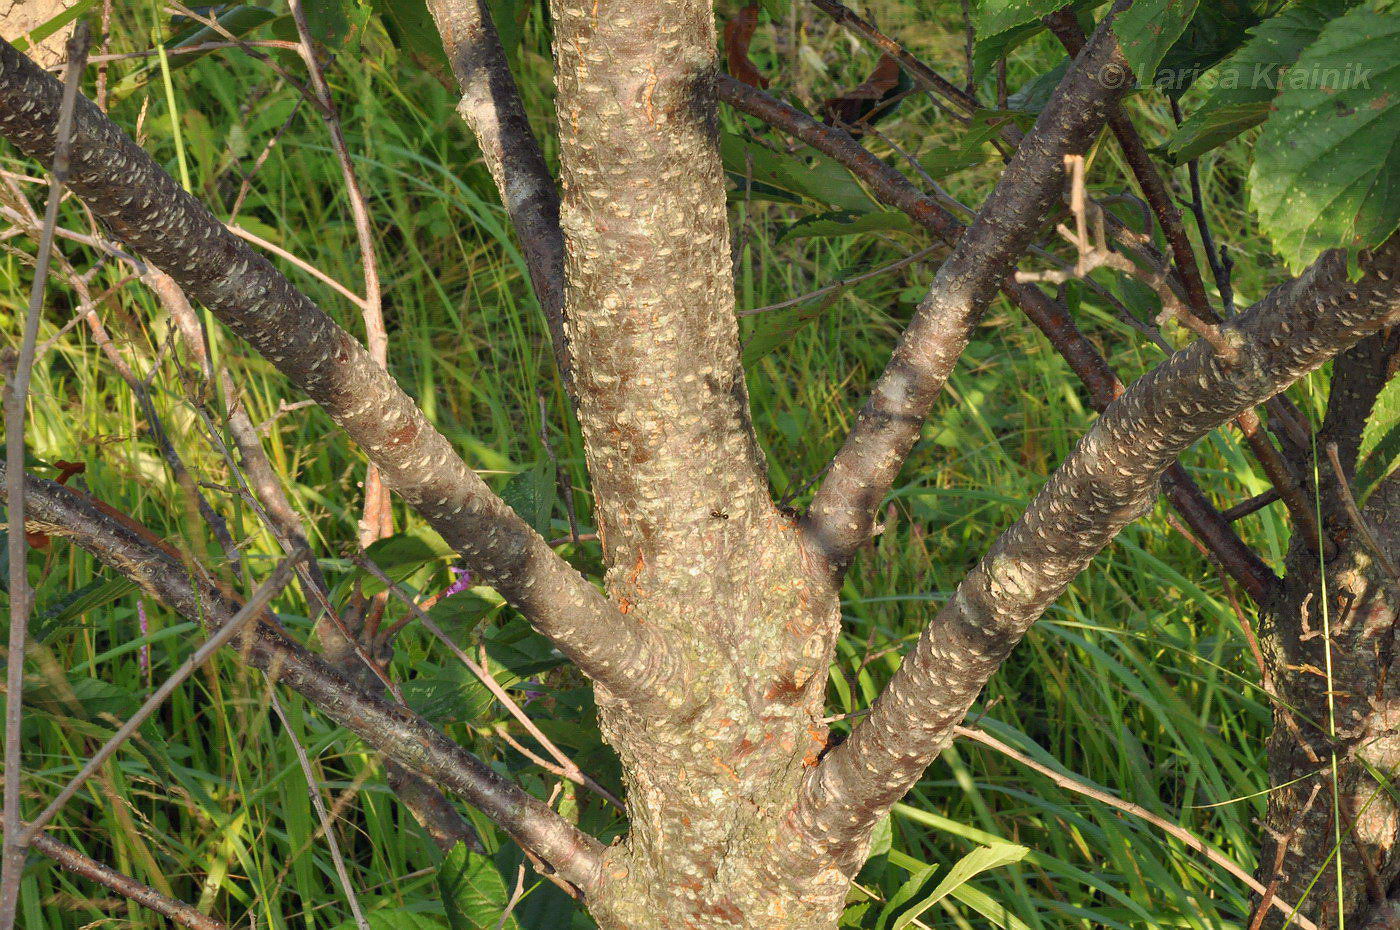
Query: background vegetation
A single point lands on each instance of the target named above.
(1139, 679)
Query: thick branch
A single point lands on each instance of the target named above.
(843, 512)
(1154, 188)
(146, 208)
(1108, 481)
(893, 189)
(400, 734)
(662, 401)
(491, 106)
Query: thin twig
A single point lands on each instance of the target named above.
(843, 283)
(570, 769)
(16, 395)
(377, 521)
(1070, 783)
(81, 864)
(1357, 520)
(313, 789)
(250, 612)
(1255, 504)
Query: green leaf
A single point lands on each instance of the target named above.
(1032, 96)
(449, 695)
(845, 223)
(1327, 165)
(473, 893)
(1148, 29)
(1212, 126)
(392, 916)
(904, 894)
(997, 16)
(237, 20)
(400, 555)
(460, 613)
(777, 10)
(326, 21)
(1244, 87)
(942, 162)
(1379, 454)
(411, 28)
(963, 871)
(881, 838)
(59, 614)
(1216, 30)
(989, 907)
(506, 15)
(815, 177)
(532, 494)
(776, 328)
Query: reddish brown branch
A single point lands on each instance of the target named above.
(842, 515)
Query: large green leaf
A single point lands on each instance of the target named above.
(813, 177)
(1327, 166)
(400, 555)
(392, 917)
(532, 494)
(845, 223)
(1216, 30)
(64, 611)
(1148, 29)
(997, 16)
(473, 893)
(452, 694)
(1244, 87)
(411, 27)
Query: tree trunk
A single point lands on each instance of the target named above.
(1349, 593)
(696, 548)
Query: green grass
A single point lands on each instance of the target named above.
(1139, 679)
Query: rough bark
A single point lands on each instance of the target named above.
(694, 545)
(842, 514)
(1351, 596)
(893, 189)
(149, 211)
(400, 734)
(1109, 480)
(491, 106)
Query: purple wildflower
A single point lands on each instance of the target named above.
(143, 654)
(462, 580)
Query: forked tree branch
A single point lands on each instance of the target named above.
(148, 210)
(893, 189)
(843, 512)
(492, 108)
(390, 728)
(1109, 480)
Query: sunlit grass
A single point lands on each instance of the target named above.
(1139, 679)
